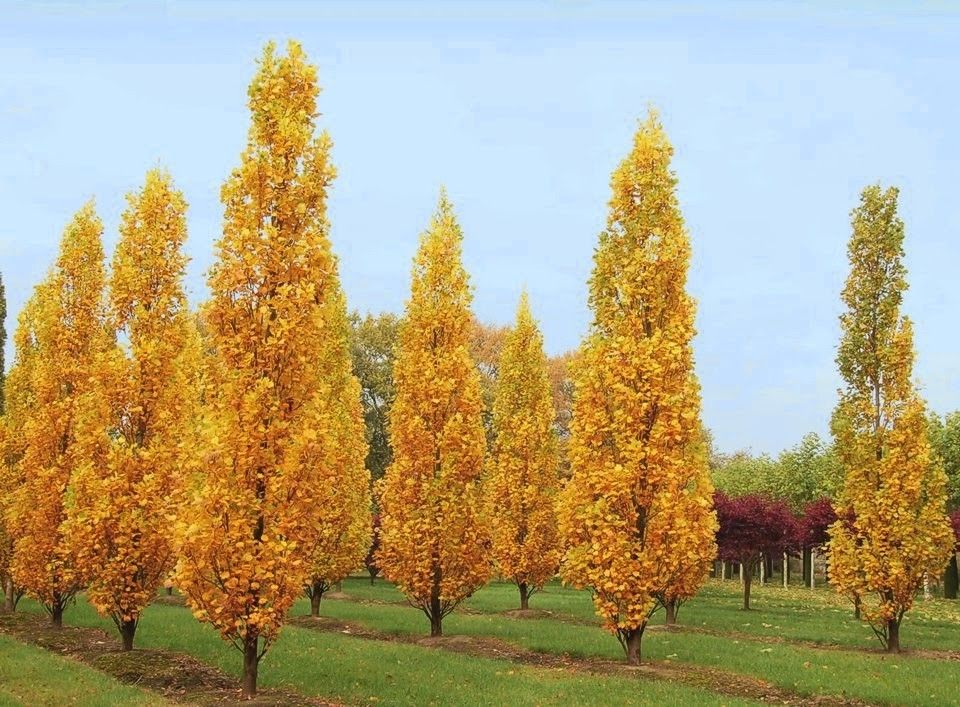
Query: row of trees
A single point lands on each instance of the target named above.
(225, 450)
(228, 450)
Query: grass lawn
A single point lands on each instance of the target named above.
(34, 676)
(765, 643)
(353, 670)
(804, 642)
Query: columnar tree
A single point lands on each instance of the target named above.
(344, 530)
(7, 483)
(750, 528)
(3, 344)
(244, 535)
(522, 483)
(19, 403)
(893, 528)
(121, 521)
(637, 403)
(64, 431)
(434, 544)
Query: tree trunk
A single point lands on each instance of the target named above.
(927, 594)
(723, 570)
(747, 579)
(524, 596)
(251, 658)
(807, 564)
(951, 579)
(893, 636)
(316, 594)
(56, 616)
(127, 631)
(169, 591)
(671, 607)
(786, 571)
(813, 569)
(632, 641)
(856, 608)
(763, 569)
(436, 619)
(372, 577)
(9, 605)
(436, 625)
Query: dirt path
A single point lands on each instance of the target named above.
(175, 676)
(720, 681)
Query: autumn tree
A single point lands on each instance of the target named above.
(245, 533)
(751, 527)
(63, 432)
(522, 483)
(637, 404)
(3, 344)
(433, 539)
(558, 368)
(692, 539)
(486, 346)
(343, 536)
(121, 519)
(893, 492)
(19, 404)
(6, 475)
(372, 339)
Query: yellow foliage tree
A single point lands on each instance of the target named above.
(346, 525)
(637, 405)
(522, 484)
(122, 517)
(18, 403)
(433, 541)
(892, 527)
(64, 432)
(693, 539)
(245, 537)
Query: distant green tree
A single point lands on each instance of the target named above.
(372, 340)
(742, 474)
(807, 472)
(945, 441)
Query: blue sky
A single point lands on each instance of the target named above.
(780, 114)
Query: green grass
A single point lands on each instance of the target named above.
(355, 670)
(769, 643)
(793, 613)
(33, 676)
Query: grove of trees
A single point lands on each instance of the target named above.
(265, 446)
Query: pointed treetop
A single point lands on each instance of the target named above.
(283, 97)
(524, 313)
